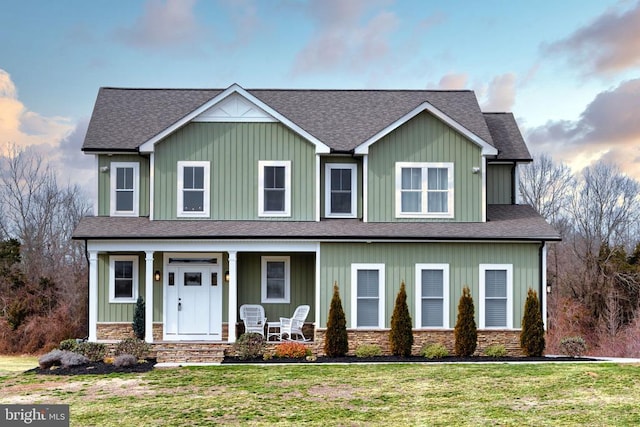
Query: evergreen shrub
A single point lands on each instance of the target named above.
(134, 346)
(336, 343)
(434, 351)
(401, 334)
(532, 339)
(466, 332)
(368, 350)
(138, 319)
(249, 346)
(573, 346)
(495, 350)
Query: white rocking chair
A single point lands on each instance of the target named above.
(253, 317)
(293, 326)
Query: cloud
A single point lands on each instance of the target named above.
(56, 139)
(345, 36)
(608, 45)
(608, 127)
(163, 25)
(453, 81)
(501, 93)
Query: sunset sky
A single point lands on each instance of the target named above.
(568, 70)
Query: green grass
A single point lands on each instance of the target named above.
(395, 394)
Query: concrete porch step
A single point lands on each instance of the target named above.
(189, 352)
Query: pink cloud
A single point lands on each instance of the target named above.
(609, 127)
(163, 24)
(453, 81)
(501, 93)
(608, 45)
(345, 36)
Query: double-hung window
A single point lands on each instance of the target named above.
(276, 283)
(123, 279)
(125, 178)
(496, 296)
(432, 295)
(424, 190)
(274, 188)
(340, 190)
(193, 189)
(367, 295)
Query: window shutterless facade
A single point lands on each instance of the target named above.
(193, 189)
(496, 296)
(432, 295)
(125, 183)
(424, 190)
(340, 190)
(367, 295)
(276, 283)
(123, 279)
(274, 188)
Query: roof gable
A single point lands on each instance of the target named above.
(234, 108)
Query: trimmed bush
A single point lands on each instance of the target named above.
(532, 336)
(495, 350)
(434, 351)
(70, 359)
(138, 319)
(51, 359)
(368, 350)
(573, 346)
(70, 344)
(249, 346)
(292, 350)
(133, 346)
(336, 343)
(401, 334)
(466, 332)
(92, 350)
(124, 360)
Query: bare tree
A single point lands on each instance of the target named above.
(547, 187)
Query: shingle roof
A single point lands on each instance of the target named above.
(506, 222)
(123, 119)
(507, 137)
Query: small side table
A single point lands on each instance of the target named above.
(273, 330)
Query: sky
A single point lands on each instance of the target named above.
(569, 70)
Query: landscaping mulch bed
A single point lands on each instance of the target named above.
(410, 359)
(98, 368)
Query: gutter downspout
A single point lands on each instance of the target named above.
(86, 256)
(542, 259)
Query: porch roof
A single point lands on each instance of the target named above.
(505, 222)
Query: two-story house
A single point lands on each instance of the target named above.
(210, 199)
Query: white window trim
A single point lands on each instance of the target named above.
(287, 188)
(112, 279)
(136, 188)
(509, 269)
(354, 294)
(207, 184)
(424, 213)
(287, 280)
(445, 294)
(328, 167)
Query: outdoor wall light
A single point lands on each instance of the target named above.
(104, 169)
(226, 276)
(156, 275)
(475, 169)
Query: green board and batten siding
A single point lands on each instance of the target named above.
(424, 139)
(499, 187)
(104, 181)
(464, 260)
(234, 150)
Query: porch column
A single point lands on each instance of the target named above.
(148, 299)
(233, 296)
(93, 296)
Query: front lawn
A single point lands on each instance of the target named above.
(390, 394)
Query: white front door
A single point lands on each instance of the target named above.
(193, 306)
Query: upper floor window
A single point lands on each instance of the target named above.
(193, 189)
(123, 279)
(340, 190)
(125, 178)
(276, 284)
(424, 190)
(274, 188)
(367, 295)
(432, 295)
(496, 296)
